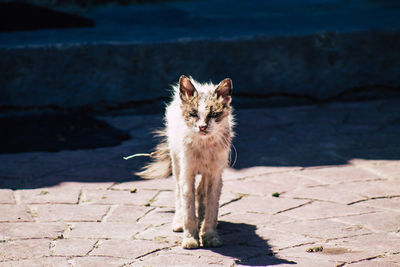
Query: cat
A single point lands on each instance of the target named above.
(196, 139)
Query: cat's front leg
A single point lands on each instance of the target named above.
(208, 234)
(190, 227)
(177, 223)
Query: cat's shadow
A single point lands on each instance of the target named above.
(242, 243)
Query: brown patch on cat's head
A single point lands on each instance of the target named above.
(189, 97)
(218, 103)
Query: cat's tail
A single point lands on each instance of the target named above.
(160, 166)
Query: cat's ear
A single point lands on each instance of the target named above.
(186, 88)
(224, 90)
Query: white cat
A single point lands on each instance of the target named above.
(197, 139)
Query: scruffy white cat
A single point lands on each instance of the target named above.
(197, 139)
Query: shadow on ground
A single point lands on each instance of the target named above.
(242, 242)
(304, 136)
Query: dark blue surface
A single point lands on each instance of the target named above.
(221, 19)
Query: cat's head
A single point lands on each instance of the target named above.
(205, 107)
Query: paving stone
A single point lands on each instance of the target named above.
(233, 174)
(161, 234)
(71, 247)
(237, 253)
(337, 174)
(320, 210)
(57, 194)
(266, 185)
(15, 213)
(252, 223)
(333, 255)
(371, 243)
(150, 184)
(349, 249)
(90, 185)
(254, 218)
(68, 213)
(392, 204)
(121, 197)
(99, 261)
(377, 262)
(158, 216)
(6, 196)
(165, 199)
(39, 262)
(129, 249)
(279, 241)
(267, 205)
(375, 189)
(322, 229)
(104, 230)
(127, 214)
(390, 169)
(167, 258)
(16, 250)
(31, 230)
(339, 193)
(288, 261)
(387, 221)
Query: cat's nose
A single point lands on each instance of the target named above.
(203, 127)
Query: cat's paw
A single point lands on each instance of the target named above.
(177, 224)
(190, 243)
(177, 227)
(210, 239)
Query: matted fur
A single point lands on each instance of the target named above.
(197, 139)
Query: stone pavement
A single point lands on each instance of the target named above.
(305, 178)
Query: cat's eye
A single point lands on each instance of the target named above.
(214, 115)
(193, 114)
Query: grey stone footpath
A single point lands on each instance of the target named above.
(335, 167)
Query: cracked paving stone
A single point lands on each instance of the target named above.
(388, 204)
(158, 216)
(128, 214)
(165, 199)
(388, 260)
(15, 213)
(267, 205)
(39, 262)
(339, 193)
(71, 247)
(70, 213)
(129, 249)
(321, 210)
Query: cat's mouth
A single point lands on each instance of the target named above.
(203, 132)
